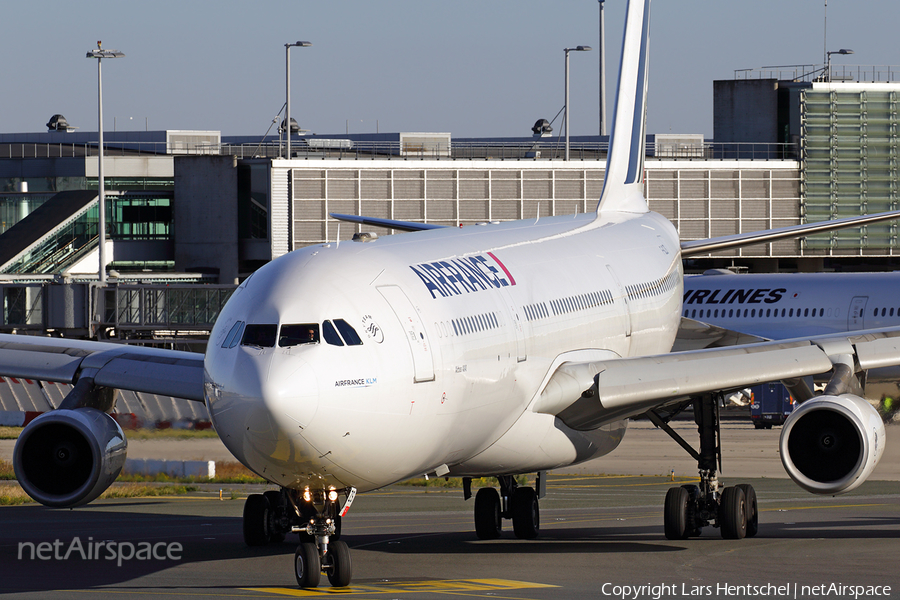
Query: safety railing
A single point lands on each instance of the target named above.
(386, 150)
(820, 72)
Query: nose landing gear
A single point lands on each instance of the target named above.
(313, 514)
(324, 555)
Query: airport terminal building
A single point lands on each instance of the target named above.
(193, 212)
(188, 207)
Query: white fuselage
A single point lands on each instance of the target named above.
(460, 329)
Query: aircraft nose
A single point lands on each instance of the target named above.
(290, 392)
(262, 404)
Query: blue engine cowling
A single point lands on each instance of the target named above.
(67, 458)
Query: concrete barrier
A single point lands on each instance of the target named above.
(173, 468)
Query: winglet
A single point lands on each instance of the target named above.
(624, 179)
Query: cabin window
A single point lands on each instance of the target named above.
(298, 333)
(262, 336)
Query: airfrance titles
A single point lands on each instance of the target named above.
(464, 275)
(736, 296)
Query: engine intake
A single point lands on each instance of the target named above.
(831, 444)
(67, 458)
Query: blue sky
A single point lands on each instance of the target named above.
(469, 67)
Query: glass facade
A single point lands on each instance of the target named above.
(849, 164)
(139, 217)
(253, 201)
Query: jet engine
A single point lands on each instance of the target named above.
(68, 457)
(831, 444)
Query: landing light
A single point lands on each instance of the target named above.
(332, 495)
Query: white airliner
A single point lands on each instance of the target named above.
(491, 350)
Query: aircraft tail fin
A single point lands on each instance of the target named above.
(624, 178)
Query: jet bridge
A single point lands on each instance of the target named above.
(52, 236)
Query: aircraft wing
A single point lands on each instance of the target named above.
(695, 247)
(587, 395)
(392, 224)
(119, 366)
(694, 335)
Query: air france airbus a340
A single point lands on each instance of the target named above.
(491, 350)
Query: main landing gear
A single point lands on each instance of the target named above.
(313, 514)
(512, 502)
(689, 508)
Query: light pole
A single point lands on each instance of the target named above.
(100, 54)
(828, 58)
(567, 50)
(287, 100)
(602, 69)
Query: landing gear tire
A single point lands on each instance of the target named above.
(339, 567)
(752, 510)
(675, 516)
(526, 514)
(733, 514)
(488, 514)
(276, 535)
(307, 566)
(256, 520)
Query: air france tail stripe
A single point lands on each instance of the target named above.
(636, 156)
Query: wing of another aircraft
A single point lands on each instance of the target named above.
(151, 370)
(739, 240)
(587, 395)
(392, 224)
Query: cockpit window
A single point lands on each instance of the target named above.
(347, 332)
(231, 340)
(331, 336)
(294, 335)
(259, 335)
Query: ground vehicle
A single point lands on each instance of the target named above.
(770, 404)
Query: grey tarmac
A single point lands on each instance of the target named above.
(601, 536)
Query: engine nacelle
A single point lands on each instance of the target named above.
(831, 444)
(67, 458)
